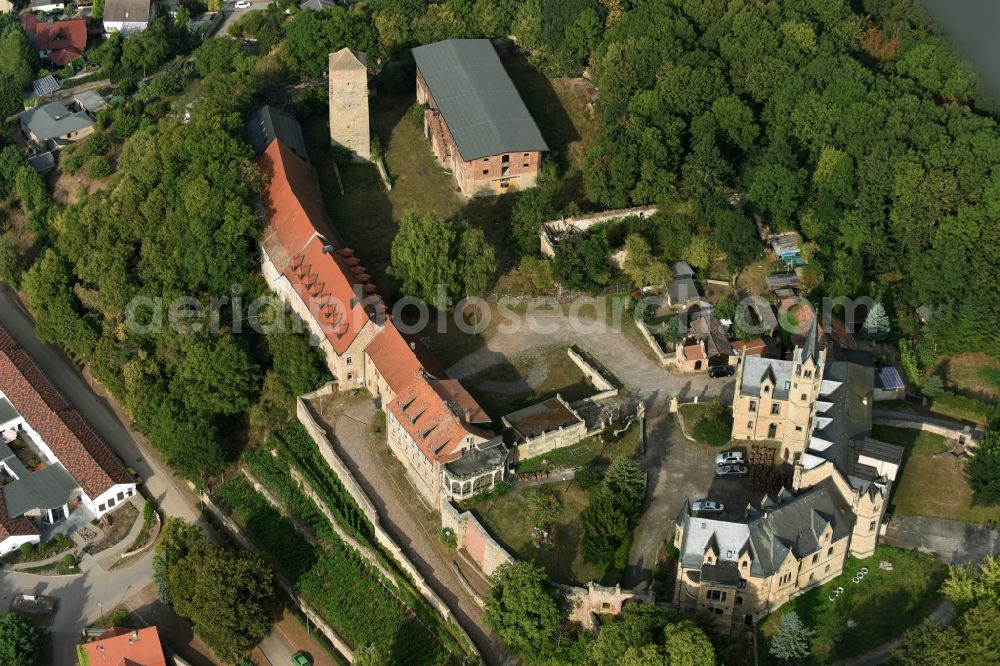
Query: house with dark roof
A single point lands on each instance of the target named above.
(52, 463)
(682, 290)
(736, 571)
(55, 125)
(707, 346)
(476, 122)
(269, 123)
(127, 16)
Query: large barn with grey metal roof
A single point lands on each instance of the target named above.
(475, 120)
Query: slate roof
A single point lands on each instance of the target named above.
(755, 368)
(53, 120)
(81, 451)
(709, 330)
(480, 458)
(269, 123)
(49, 488)
(682, 290)
(477, 99)
(127, 11)
(43, 162)
(790, 524)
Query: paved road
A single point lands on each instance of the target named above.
(950, 541)
(232, 15)
(394, 507)
(81, 598)
(678, 470)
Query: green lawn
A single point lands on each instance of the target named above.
(884, 604)
(713, 434)
(586, 451)
(507, 519)
(929, 486)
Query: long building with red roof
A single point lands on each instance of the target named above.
(70, 465)
(434, 425)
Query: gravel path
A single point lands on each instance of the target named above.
(637, 371)
(398, 510)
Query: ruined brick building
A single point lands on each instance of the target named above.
(476, 122)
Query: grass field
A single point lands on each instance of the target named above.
(883, 605)
(930, 486)
(508, 516)
(974, 375)
(507, 519)
(527, 378)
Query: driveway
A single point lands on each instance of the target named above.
(678, 470)
(398, 510)
(616, 351)
(232, 15)
(950, 541)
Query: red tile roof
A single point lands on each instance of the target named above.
(436, 415)
(66, 40)
(300, 241)
(86, 457)
(123, 647)
(755, 347)
(693, 352)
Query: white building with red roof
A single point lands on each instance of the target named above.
(51, 462)
(434, 425)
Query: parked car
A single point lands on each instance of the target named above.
(299, 658)
(721, 371)
(731, 470)
(730, 457)
(242, 4)
(708, 506)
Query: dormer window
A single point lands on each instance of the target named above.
(744, 564)
(767, 389)
(808, 373)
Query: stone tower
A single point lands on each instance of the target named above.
(808, 362)
(349, 102)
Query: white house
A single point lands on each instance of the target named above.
(127, 16)
(51, 462)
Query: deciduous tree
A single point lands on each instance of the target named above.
(520, 608)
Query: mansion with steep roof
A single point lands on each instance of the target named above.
(819, 413)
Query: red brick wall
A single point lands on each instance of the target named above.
(490, 168)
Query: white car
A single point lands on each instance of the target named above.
(242, 4)
(708, 506)
(732, 457)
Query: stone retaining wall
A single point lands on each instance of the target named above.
(484, 551)
(601, 383)
(351, 485)
(664, 358)
(946, 432)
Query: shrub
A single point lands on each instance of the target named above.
(98, 167)
(447, 536)
(26, 549)
(69, 560)
(715, 425)
(933, 387)
(587, 477)
(148, 511)
(120, 618)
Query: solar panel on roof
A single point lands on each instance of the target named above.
(45, 85)
(891, 378)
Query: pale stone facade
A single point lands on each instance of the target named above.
(349, 122)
